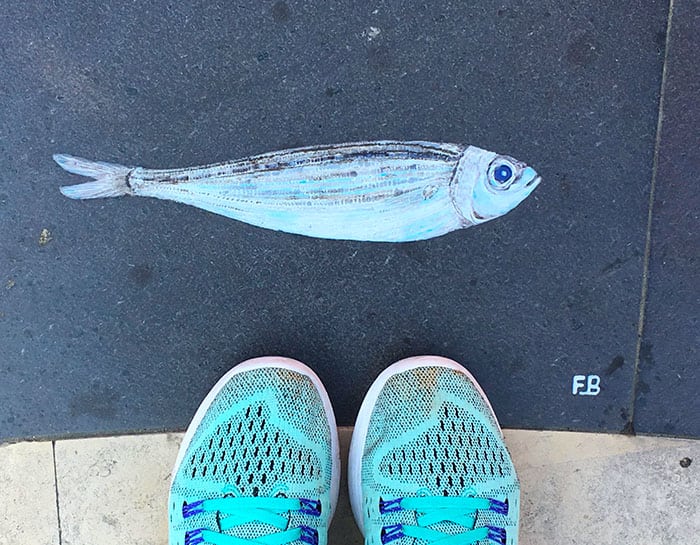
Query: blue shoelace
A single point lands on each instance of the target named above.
(439, 509)
(237, 511)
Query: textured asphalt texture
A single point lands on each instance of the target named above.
(123, 314)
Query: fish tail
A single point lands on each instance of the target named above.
(110, 180)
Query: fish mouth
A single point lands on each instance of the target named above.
(534, 182)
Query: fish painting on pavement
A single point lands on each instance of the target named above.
(384, 191)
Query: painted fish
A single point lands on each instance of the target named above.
(374, 191)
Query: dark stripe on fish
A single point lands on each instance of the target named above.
(302, 158)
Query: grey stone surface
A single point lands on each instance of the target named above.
(667, 390)
(134, 308)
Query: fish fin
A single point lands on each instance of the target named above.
(110, 180)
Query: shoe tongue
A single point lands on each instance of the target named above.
(251, 531)
(409, 518)
(446, 527)
(450, 528)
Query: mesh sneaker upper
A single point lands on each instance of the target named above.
(265, 434)
(431, 433)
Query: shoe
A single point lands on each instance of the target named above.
(427, 460)
(260, 461)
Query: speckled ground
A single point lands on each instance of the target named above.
(118, 315)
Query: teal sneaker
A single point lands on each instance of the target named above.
(427, 460)
(260, 461)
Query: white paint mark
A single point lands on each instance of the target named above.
(371, 33)
(591, 383)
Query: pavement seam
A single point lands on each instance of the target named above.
(629, 425)
(55, 486)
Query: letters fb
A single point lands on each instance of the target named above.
(585, 385)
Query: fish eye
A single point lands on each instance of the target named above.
(502, 173)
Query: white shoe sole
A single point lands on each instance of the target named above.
(262, 363)
(359, 435)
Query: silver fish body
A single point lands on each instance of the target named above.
(372, 191)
